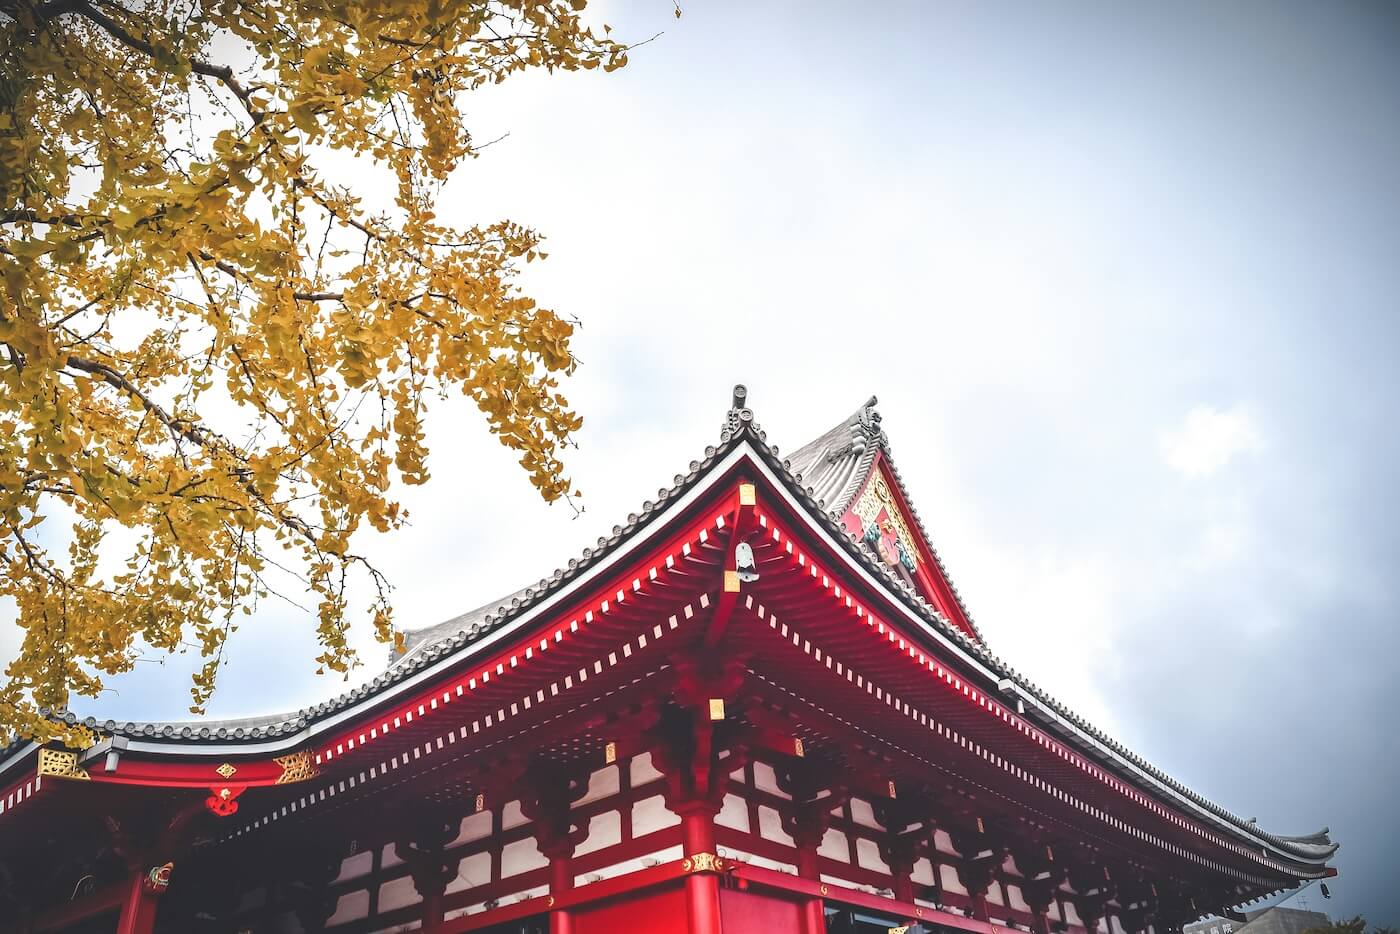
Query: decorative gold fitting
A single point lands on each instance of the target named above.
(610, 753)
(61, 763)
(480, 803)
(892, 794)
(158, 878)
(748, 496)
(224, 793)
(797, 749)
(902, 929)
(981, 828)
(226, 771)
(731, 581)
(703, 862)
(823, 889)
(296, 767)
(716, 708)
(918, 912)
(549, 903)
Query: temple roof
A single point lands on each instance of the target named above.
(822, 476)
(835, 466)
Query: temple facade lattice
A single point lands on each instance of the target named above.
(759, 705)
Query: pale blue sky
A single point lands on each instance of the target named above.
(1124, 278)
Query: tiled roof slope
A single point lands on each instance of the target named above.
(835, 466)
(435, 643)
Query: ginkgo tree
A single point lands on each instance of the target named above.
(215, 352)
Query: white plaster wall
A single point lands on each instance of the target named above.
(642, 770)
(521, 856)
(651, 814)
(770, 826)
(352, 906)
(667, 855)
(604, 830)
(753, 859)
(398, 893)
(472, 871)
(356, 865)
(949, 877)
(765, 779)
(601, 784)
(512, 816)
(868, 855)
(835, 846)
(1072, 915)
(474, 827)
(733, 813)
(923, 872)
(862, 813)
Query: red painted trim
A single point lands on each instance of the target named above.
(551, 629)
(575, 898)
(919, 655)
(831, 891)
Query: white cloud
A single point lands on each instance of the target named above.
(1208, 439)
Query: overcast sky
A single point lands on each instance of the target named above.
(1123, 277)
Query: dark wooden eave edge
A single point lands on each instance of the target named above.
(292, 730)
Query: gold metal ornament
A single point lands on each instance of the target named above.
(877, 495)
(61, 763)
(716, 708)
(296, 767)
(226, 770)
(703, 862)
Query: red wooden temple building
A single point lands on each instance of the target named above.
(759, 705)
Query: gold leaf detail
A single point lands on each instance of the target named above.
(703, 862)
(877, 495)
(60, 763)
(226, 770)
(716, 708)
(296, 767)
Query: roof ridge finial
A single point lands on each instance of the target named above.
(740, 415)
(867, 422)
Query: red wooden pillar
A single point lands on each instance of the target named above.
(702, 884)
(813, 913)
(561, 879)
(1038, 896)
(138, 914)
(427, 833)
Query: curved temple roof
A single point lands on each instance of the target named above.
(824, 475)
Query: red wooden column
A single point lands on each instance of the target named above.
(978, 868)
(427, 833)
(1041, 878)
(813, 917)
(547, 795)
(702, 884)
(561, 879)
(908, 833)
(815, 791)
(695, 747)
(138, 914)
